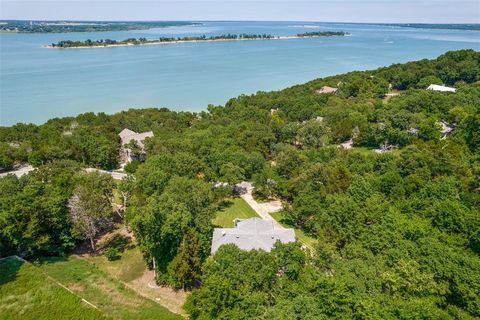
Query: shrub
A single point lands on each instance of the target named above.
(112, 254)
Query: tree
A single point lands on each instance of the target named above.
(314, 134)
(185, 268)
(135, 150)
(429, 129)
(160, 224)
(232, 173)
(34, 217)
(91, 205)
(425, 82)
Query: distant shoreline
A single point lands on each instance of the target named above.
(188, 41)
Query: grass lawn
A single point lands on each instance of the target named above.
(300, 234)
(132, 270)
(110, 295)
(236, 208)
(26, 293)
(128, 268)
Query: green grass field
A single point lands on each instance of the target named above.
(27, 293)
(128, 268)
(300, 234)
(110, 295)
(131, 269)
(236, 208)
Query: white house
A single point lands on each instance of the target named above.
(436, 87)
(250, 234)
(126, 136)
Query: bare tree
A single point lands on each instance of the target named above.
(90, 206)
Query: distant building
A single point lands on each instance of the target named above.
(327, 89)
(413, 131)
(126, 136)
(436, 87)
(250, 234)
(446, 129)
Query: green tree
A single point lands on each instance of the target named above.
(185, 268)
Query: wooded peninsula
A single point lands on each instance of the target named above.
(163, 40)
(36, 26)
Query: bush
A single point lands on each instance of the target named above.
(118, 242)
(112, 254)
(132, 166)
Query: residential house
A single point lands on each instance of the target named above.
(326, 89)
(126, 136)
(436, 87)
(251, 234)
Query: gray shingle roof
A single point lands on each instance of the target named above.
(253, 233)
(127, 135)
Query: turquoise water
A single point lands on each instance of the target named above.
(38, 83)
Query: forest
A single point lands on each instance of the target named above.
(390, 197)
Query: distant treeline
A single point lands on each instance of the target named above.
(135, 41)
(472, 26)
(25, 26)
(322, 34)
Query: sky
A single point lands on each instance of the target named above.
(426, 11)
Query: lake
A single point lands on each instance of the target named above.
(38, 83)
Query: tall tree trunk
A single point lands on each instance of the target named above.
(92, 243)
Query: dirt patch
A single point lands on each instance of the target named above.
(166, 296)
(117, 297)
(76, 287)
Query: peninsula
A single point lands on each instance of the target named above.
(36, 26)
(165, 40)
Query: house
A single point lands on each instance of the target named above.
(126, 136)
(327, 89)
(251, 234)
(413, 131)
(436, 87)
(446, 129)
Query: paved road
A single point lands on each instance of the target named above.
(25, 170)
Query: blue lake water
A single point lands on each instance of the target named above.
(37, 83)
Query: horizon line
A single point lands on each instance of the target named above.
(240, 20)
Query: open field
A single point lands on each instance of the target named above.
(110, 295)
(236, 208)
(27, 293)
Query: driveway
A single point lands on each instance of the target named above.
(115, 175)
(262, 209)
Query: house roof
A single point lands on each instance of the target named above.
(127, 135)
(327, 89)
(253, 233)
(436, 87)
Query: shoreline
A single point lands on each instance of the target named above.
(189, 41)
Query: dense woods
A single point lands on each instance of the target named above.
(396, 217)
